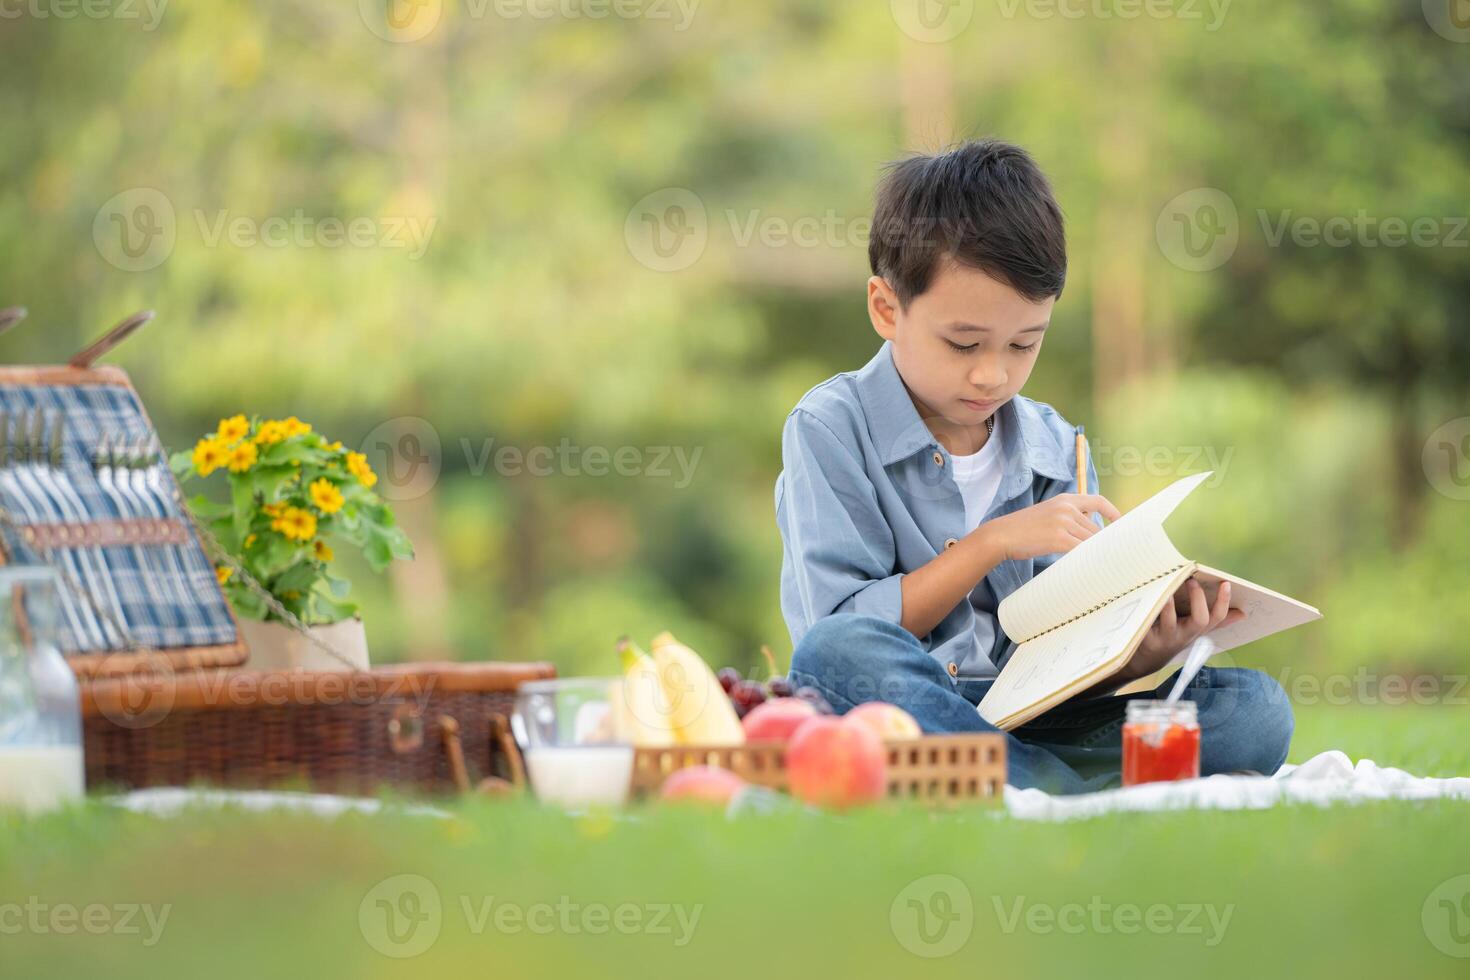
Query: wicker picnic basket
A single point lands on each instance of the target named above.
(937, 769)
(86, 489)
(429, 728)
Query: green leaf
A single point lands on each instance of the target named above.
(208, 510)
(182, 463)
(243, 498)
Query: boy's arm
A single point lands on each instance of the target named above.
(839, 548)
(840, 551)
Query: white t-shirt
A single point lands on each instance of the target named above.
(978, 476)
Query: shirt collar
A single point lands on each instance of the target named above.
(898, 431)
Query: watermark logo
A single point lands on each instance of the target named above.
(136, 229)
(1199, 229)
(933, 916)
(150, 12)
(1207, 921)
(1447, 458)
(39, 918)
(401, 21)
(932, 21)
(1446, 917)
(401, 916)
(1450, 19)
(667, 231)
(406, 454)
(134, 699)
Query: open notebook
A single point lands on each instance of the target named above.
(1080, 620)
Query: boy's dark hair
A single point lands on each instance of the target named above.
(984, 204)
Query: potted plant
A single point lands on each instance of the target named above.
(294, 498)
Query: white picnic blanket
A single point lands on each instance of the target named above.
(1327, 778)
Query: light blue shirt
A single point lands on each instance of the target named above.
(867, 495)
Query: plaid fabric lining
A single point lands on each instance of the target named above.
(162, 595)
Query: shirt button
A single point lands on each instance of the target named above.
(950, 543)
(954, 669)
(938, 458)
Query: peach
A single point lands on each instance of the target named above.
(702, 784)
(888, 721)
(836, 763)
(777, 720)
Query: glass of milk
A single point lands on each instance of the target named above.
(576, 752)
(40, 711)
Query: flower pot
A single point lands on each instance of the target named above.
(276, 646)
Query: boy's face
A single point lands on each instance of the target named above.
(963, 346)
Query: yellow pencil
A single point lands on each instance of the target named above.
(1081, 459)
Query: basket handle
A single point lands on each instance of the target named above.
(454, 748)
(89, 354)
(500, 735)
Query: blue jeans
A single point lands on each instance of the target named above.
(1245, 718)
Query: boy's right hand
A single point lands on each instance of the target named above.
(1057, 524)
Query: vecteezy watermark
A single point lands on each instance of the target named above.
(1211, 12)
(667, 230)
(1365, 686)
(406, 21)
(1450, 19)
(149, 12)
(144, 699)
(1446, 917)
(37, 917)
(1447, 458)
(1159, 461)
(933, 916)
(1203, 919)
(402, 917)
(137, 229)
(407, 454)
(932, 21)
(1200, 229)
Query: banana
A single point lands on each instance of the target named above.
(641, 709)
(699, 711)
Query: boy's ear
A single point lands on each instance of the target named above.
(883, 307)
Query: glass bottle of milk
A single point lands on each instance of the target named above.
(40, 710)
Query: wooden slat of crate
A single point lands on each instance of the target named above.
(941, 769)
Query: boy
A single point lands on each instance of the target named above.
(921, 490)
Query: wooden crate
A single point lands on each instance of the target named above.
(940, 769)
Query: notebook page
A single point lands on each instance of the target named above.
(1056, 665)
(1122, 556)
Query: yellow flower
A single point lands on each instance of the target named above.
(295, 427)
(270, 432)
(249, 540)
(358, 464)
(326, 496)
(291, 595)
(209, 455)
(232, 430)
(324, 550)
(274, 510)
(243, 456)
(334, 446)
(296, 523)
(223, 573)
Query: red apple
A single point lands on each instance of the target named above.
(702, 784)
(777, 720)
(836, 763)
(888, 721)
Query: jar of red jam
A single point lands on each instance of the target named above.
(1160, 742)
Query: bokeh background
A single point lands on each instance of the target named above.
(562, 275)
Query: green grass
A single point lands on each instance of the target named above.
(1308, 892)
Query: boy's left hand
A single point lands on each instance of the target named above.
(1173, 632)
